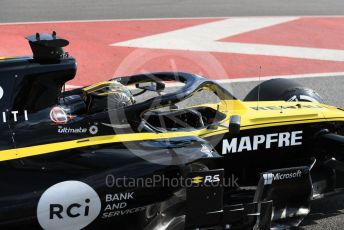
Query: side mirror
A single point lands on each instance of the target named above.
(151, 86)
(234, 124)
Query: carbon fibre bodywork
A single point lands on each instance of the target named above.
(64, 165)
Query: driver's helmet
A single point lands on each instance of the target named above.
(119, 96)
(107, 95)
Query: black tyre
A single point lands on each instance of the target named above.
(284, 90)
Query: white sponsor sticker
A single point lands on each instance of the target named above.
(257, 142)
(1, 92)
(270, 177)
(68, 130)
(207, 150)
(93, 129)
(69, 205)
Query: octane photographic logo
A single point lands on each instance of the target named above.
(144, 61)
(69, 205)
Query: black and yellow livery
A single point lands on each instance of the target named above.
(65, 156)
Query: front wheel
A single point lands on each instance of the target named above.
(282, 90)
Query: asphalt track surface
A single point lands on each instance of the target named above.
(326, 214)
(47, 10)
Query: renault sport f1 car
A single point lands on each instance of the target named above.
(130, 154)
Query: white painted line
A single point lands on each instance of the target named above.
(205, 33)
(246, 79)
(204, 38)
(158, 19)
(69, 87)
(265, 78)
(278, 51)
(294, 76)
(108, 20)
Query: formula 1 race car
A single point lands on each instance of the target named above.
(136, 153)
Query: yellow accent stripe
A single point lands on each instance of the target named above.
(291, 116)
(224, 130)
(106, 83)
(99, 140)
